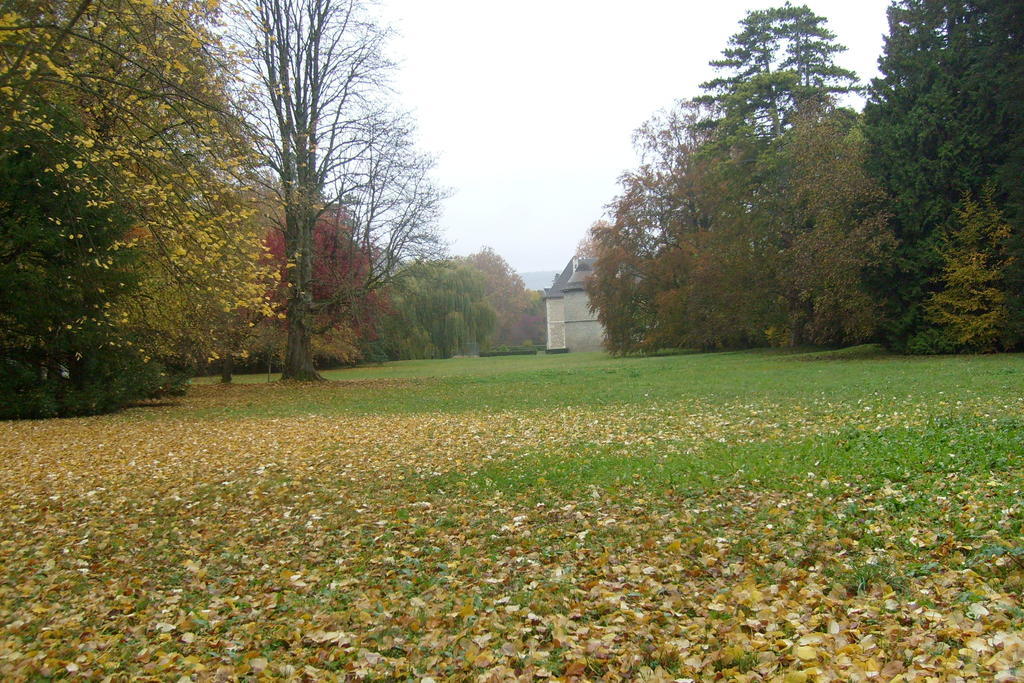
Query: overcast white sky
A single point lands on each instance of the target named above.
(529, 106)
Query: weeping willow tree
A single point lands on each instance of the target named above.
(439, 309)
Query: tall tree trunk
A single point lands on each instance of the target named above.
(319, 66)
(298, 358)
(227, 368)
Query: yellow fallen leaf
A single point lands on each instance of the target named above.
(806, 653)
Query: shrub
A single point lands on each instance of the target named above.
(510, 351)
(101, 382)
(930, 342)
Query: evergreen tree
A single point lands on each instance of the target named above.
(780, 57)
(63, 272)
(970, 309)
(1005, 59)
(944, 119)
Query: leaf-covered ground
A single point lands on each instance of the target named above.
(786, 535)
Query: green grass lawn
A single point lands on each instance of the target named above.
(741, 516)
(596, 379)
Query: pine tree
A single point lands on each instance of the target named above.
(780, 57)
(971, 306)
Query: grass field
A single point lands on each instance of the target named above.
(734, 516)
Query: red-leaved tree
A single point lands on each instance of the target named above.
(345, 305)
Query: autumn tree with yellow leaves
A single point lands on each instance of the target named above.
(970, 309)
(135, 96)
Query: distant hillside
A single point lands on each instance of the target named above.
(540, 279)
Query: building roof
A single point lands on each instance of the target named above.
(573, 278)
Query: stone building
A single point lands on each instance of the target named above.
(571, 325)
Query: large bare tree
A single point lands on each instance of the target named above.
(317, 80)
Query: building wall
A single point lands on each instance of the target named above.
(577, 307)
(556, 323)
(582, 330)
(584, 335)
